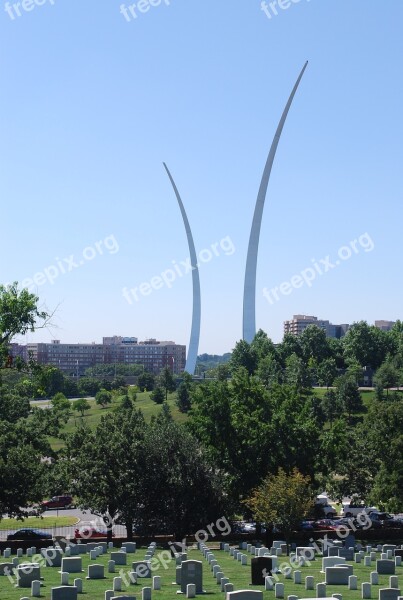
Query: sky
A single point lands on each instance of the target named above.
(97, 95)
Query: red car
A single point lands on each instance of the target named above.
(58, 502)
(87, 533)
(325, 525)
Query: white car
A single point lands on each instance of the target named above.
(351, 509)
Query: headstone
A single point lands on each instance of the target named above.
(367, 561)
(96, 572)
(216, 569)
(387, 547)
(347, 553)
(219, 576)
(333, 551)
(72, 564)
(67, 551)
(36, 589)
(131, 547)
(269, 583)
(260, 568)
(244, 559)
(52, 556)
(352, 582)
(306, 552)
(156, 582)
(338, 575)
(111, 566)
(6, 568)
(78, 583)
(245, 595)
(297, 577)
(63, 592)
(110, 545)
(357, 557)
(374, 578)
(192, 572)
(64, 578)
(385, 567)
(7, 553)
(146, 593)
(331, 561)
(309, 582)
(190, 590)
(224, 582)
(366, 591)
(93, 555)
(20, 552)
(398, 561)
(321, 590)
(120, 558)
(389, 594)
(117, 584)
(393, 582)
(229, 587)
(279, 590)
(132, 577)
(178, 578)
(142, 569)
(26, 574)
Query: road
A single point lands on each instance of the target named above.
(85, 519)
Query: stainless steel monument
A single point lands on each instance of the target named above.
(249, 296)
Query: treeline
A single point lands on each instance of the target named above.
(258, 416)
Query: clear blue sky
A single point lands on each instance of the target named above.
(92, 104)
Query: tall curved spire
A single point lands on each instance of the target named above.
(196, 315)
(249, 297)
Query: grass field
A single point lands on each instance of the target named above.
(93, 416)
(238, 575)
(37, 523)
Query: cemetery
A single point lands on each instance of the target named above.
(227, 571)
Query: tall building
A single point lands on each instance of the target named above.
(300, 322)
(385, 325)
(74, 359)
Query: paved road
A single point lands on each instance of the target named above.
(85, 519)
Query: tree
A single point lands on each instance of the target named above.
(314, 344)
(158, 395)
(269, 371)
(88, 386)
(166, 381)
(19, 313)
(367, 345)
(331, 405)
(296, 372)
(327, 372)
(107, 467)
(387, 376)
(349, 395)
(283, 500)
(184, 490)
(81, 405)
(244, 355)
(103, 398)
(262, 345)
(61, 406)
(183, 400)
(146, 382)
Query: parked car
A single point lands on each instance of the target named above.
(57, 502)
(307, 526)
(325, 525)
(29, 534)
(323, 508)
(383, 519)
(352, 509)
(90, 532)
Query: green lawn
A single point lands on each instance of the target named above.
(38, 523)
(93, 416)
(238, 575)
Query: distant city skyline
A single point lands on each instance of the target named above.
(88, 211)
